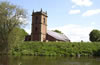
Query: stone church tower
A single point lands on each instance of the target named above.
(39, 29)
(39, 26)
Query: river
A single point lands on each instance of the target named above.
(45, 60)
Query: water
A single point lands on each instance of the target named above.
(37, 60)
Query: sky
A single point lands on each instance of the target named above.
(75, 18)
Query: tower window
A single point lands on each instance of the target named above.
(36, 19)
(44, 20)
(36, 29)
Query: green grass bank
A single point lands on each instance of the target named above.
(57, 49)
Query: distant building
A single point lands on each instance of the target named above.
(39, 29)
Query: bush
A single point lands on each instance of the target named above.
(58, 48)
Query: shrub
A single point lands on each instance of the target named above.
(58, 48)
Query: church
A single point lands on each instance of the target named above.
(39, 29)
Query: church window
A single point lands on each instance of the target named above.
(36, 19)
(44, 20)
(36, 29)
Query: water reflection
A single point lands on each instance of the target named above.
(37, 60)
(3, 60)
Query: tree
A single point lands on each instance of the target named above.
(95, 35)
(11, 16)
(58, 31)
(16, 37)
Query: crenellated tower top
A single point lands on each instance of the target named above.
(40, 12)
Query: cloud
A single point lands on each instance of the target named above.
(91, 12)
(75, 33)
(93, 23)
(23, 20)
(74, 11)
(28, 30)
(27, 27)
(82, 2)
(73, 6)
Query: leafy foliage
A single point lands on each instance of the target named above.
(10, 17)
(16, 37)
(58, 31)
(95, 36)
(57, 49)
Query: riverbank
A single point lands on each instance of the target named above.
(57, 49)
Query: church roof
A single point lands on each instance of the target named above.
(58, 36)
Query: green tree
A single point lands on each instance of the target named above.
(16, 37)
(58, 31)
(11, 16)
(95, 35)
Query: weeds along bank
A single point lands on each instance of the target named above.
(57, 49)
